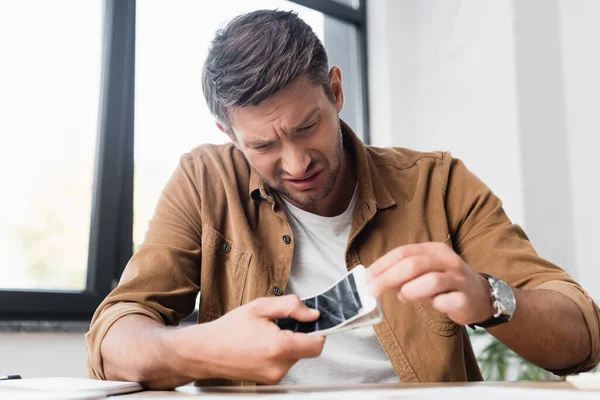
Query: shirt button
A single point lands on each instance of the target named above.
(226, 248)
(287, 239)
(277, 291)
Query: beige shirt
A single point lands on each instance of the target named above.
(217, 229)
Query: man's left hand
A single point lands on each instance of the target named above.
(433, 272)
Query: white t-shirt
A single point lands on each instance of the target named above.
(349, 357)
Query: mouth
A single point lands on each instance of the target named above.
(307, 182)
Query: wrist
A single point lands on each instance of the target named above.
(168, 352)
(180, 360)
(503, 301)
(159, 364)
(487, 310)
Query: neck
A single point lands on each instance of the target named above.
(339, 199)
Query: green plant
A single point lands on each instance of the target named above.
(495, 361)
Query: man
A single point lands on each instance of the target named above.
(289, 206)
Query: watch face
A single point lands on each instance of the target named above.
(506, 296)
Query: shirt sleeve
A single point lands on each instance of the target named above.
(162, 279)
(489, 242)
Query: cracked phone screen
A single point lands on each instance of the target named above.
(336, 305)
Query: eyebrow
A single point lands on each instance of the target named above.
(258, 143)
(306, 119)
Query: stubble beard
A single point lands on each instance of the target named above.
(312, 198)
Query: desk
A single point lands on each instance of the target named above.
(316, 391)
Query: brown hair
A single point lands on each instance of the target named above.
(256, 55)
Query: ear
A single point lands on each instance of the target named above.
(229, 133)
(335, 83)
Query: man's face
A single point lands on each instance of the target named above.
(293, 139)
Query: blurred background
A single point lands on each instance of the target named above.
(99, 98)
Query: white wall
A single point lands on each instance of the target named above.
(581, 59)
(511, 87)
(442, 78)
(36, 355)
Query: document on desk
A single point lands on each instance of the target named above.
(446, 393)
(19, 394)
(586, 380)
(73, 387)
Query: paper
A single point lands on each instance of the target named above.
(587, 380)
(70, 385)
(345, 305)
(20, 394)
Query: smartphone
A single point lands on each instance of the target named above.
(345, 305)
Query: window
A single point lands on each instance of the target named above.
(77, 192)
(49, 98)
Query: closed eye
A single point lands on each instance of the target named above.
(308, 127)
(262, 147)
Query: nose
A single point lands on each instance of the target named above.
(295, 161)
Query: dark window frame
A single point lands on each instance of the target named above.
(111, 238)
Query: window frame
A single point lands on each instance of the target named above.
(111, 228)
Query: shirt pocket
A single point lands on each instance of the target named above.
(224, 271)
(438, 322)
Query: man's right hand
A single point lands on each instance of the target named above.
(245, 344)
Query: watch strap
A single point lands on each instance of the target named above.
(492, 321)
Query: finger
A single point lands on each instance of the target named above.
(404, 271)
(288, 306)
(449, 302)
(301, 345)
(398, 254)
(427, 286)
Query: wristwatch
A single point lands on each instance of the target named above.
(503, 301)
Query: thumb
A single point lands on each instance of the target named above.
(288, 306)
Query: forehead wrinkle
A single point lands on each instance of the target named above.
(270, 111)
(275, 126)
(269, 130)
